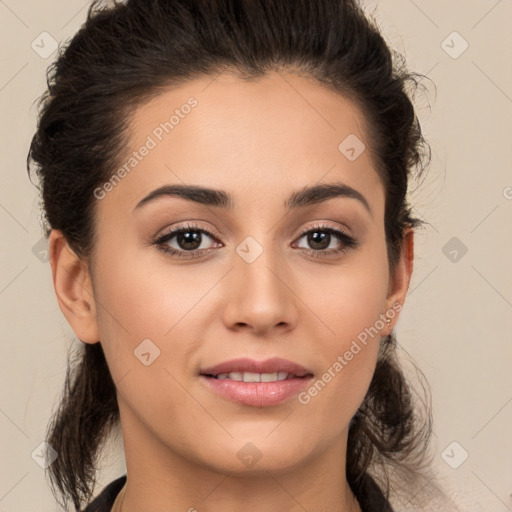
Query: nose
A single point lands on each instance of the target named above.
(259, 293)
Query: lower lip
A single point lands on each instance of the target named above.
(257, 394)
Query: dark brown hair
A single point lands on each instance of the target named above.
(125, 54)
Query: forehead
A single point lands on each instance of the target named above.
(251, 137)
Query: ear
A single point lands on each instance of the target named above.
(400, 278)
(73, 287)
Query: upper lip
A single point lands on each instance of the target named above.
(275, 364)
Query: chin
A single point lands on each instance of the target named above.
(259, 455)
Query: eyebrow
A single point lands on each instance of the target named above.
(219, 198)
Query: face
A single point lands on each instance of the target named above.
(257, 272)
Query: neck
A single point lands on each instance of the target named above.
(160, 480)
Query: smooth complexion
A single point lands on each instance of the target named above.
(260, 142)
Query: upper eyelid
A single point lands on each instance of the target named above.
(186, 227)
(171, 233)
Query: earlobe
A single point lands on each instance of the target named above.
(401, 277)
(73, 288)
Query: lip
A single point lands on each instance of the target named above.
(243, 364)
(257, 394)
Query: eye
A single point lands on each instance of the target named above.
(189, 241)
(320, 238)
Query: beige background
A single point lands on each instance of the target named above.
(456, 324)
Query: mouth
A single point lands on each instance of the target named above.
(256, 377)
(256, 383)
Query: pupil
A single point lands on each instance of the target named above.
(317, 238)
(189, 237)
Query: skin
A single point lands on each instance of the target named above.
(260, 141)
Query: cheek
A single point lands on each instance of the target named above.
(349, 298)
(142, 299)
(136, 307)
(334, 397)
(348, 359)
(139, 311)
(349, 302)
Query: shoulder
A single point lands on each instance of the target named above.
(105, 500)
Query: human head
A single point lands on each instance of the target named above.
(129, 55)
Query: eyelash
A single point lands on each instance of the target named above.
(347, 241)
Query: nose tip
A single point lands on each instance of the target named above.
(258, 295)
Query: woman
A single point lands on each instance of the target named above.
(224, 186)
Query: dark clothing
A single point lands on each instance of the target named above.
(370, 497)
(368, 494)
(105, 500)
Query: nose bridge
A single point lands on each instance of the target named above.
(259, 295)
(257, 263)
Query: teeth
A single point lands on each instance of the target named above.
(253, 377)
